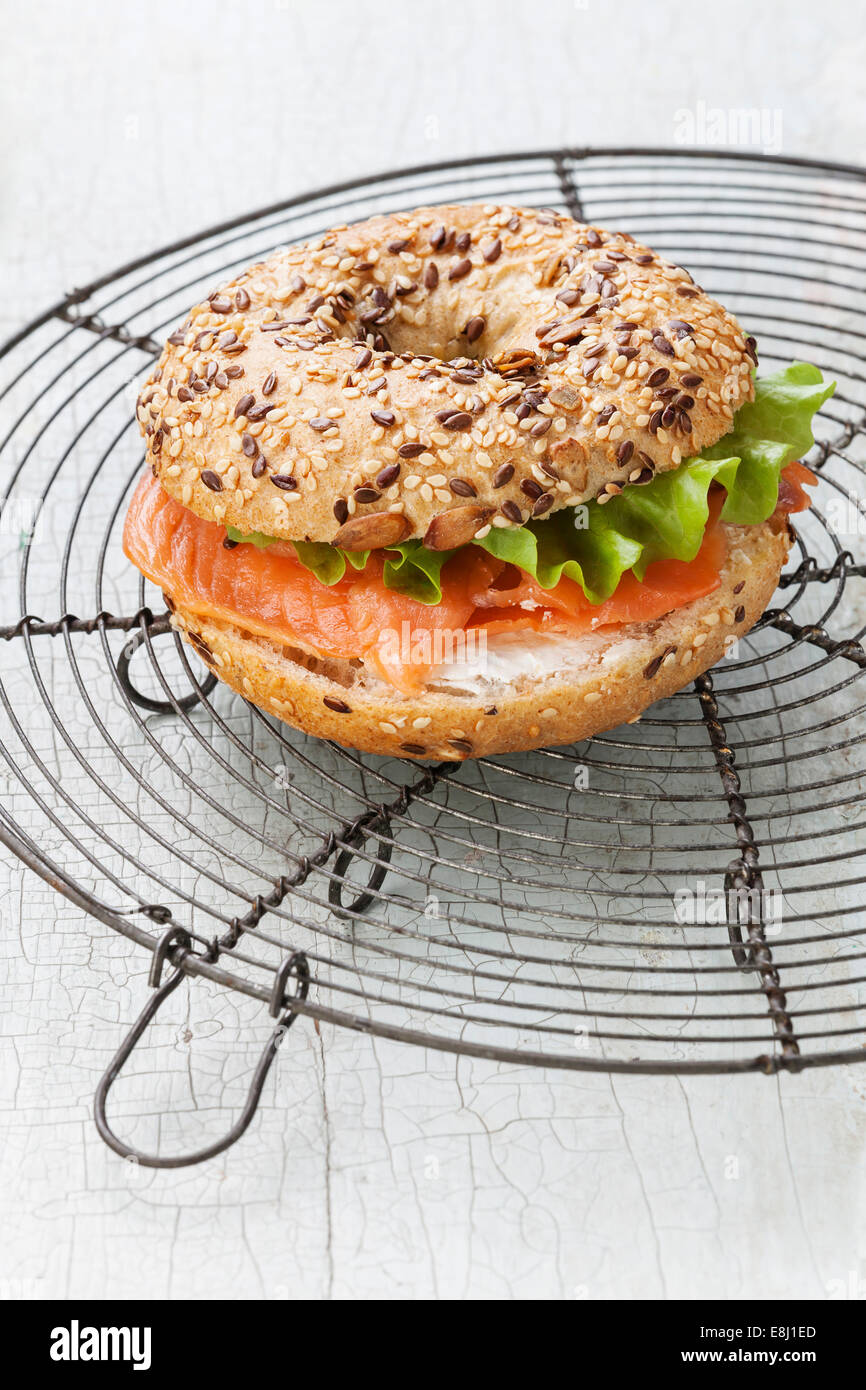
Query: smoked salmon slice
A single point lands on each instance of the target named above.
(268, 593)
(792, 498)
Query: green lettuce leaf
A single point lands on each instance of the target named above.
(665, 519)
(327, 564)
(596, 557)
(595, 545)
(770, 431)
(409, 568)
(256, 538)
(414, 570)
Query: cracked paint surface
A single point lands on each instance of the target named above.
(378, 1170)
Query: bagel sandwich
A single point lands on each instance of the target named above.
(466, 480)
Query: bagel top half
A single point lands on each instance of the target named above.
(434, 373)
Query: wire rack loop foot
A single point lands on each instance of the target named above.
(175, 945)
(377, 874)
(156, 627)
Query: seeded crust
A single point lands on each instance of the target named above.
(606, 680)
(454, 367)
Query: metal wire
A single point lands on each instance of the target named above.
(523, 908)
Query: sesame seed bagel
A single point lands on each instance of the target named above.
(603, 680)
(433, 373)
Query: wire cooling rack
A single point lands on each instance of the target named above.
(681, 895)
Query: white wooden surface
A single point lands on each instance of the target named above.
(375, 1170)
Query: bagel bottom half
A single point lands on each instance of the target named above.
(600, 681)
